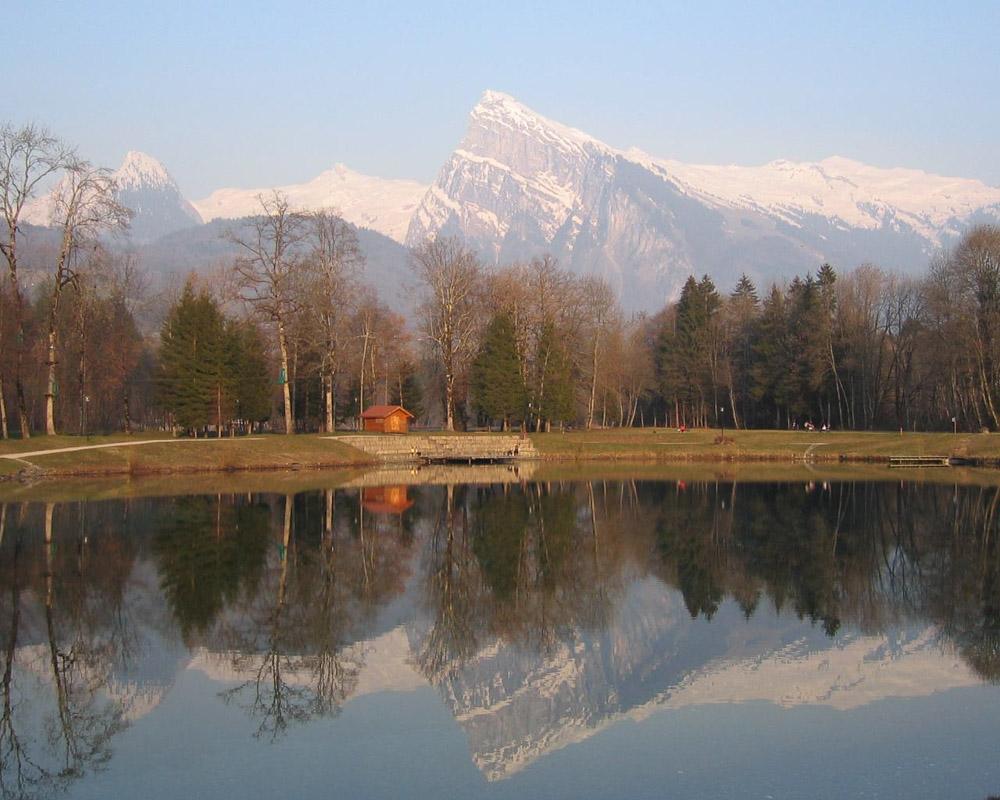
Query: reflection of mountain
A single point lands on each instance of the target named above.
(516, 706)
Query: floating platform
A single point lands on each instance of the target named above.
(419, 448)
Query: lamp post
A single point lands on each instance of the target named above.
(722, 424)
(954, 425)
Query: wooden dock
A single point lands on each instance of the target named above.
(918, 462)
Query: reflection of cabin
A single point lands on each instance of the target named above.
(386, 499)
(387, 419)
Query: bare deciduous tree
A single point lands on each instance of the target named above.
(84, 207)
(334, 261)
(601, 310)
(451, 274)
(28, 156)
(269, 274)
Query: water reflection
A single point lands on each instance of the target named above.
(540, 612)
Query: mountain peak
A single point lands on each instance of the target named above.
(140, 169)
(500, 110)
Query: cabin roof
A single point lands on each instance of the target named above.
(381, 412)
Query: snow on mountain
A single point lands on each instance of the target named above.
(853, 193)
(144, 187)
(157, 205)
(520, 185)
(141, 171)
(384, 205)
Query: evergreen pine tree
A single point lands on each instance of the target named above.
(248, 381)
(556, 378)
(773, 381)
(192, 372)
(498, 389)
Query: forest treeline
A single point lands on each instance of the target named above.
(289, 336)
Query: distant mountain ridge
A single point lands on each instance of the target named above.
(520, 184)
(381, 204)
(147, 190)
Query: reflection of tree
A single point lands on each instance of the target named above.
(518, 563)
(17, 769)
(273, 700)
(208, 549)
(868, 554)
(329, 577)
(450, 584)
(966, 593)
(79, 594)
(80, 662)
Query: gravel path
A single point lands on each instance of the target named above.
(33, 453)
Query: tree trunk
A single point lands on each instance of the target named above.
(3, 411)
(127, 413)
(50, 385)
(22, 405)
(593, 388)
(286, 390)
(449, 401)
(328, 401)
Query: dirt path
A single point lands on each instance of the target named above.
(33, 453)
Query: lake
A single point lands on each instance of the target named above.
(682, 638)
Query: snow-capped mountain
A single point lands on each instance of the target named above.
(147, 190)
(157, 205)
(381, 204)
(520, 185)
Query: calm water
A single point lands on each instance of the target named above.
(547, 640)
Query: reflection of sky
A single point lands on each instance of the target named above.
(649, 702)
(393, 745)
(701, 733)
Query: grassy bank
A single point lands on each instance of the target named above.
(120, 455)
(701, 445)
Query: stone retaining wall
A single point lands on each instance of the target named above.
(416, 448)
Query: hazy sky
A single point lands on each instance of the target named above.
(256, 94)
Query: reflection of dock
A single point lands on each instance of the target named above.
(451, 448)
(443, 474)
(919, 461)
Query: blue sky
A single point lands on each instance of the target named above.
(254, 94)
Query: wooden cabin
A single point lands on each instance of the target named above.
(386, 419)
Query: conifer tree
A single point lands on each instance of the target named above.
(249, 382)
(772, 378)
(743, 310)
(497, 385)
(193, 360)
(555, 396)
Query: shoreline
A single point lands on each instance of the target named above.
(64, 457)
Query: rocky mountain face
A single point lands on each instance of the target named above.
(520, 185)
